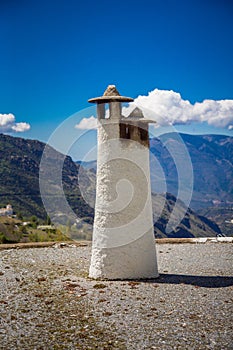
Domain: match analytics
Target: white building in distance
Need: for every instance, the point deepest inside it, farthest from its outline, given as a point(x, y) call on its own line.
point(8, 211)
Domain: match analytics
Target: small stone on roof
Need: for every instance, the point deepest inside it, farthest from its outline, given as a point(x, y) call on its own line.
point(136, 113)
point(111, 91)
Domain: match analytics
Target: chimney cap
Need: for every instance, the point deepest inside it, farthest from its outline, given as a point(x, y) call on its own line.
point(137, 116)
point(111, 94)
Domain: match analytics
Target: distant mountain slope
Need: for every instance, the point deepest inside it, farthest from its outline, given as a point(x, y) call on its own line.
point(192, 225)
point(19, 186)
point(223, 217)
point(19, 166)
point(19, 177)
point(212, 161)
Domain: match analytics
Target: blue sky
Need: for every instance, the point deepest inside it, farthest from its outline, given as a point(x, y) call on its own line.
point(57, 54)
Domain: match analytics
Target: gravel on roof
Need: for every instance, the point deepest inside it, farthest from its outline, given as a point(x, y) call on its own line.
point(47, 301)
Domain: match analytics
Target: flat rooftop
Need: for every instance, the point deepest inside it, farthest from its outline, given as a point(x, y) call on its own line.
point(47, 300)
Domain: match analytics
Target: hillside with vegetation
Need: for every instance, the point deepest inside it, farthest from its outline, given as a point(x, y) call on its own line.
point(13, 230)
point(19, 177)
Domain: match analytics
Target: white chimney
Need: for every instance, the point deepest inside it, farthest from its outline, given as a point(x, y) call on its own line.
point(123, 236)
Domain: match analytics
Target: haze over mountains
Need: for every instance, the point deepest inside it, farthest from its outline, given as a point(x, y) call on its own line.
point(212, 164)
point(211, 157)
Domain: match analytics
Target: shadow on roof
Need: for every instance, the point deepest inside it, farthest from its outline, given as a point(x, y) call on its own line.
point(199, 281)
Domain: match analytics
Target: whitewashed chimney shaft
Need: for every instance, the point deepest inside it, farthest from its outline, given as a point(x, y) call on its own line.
point(123, 237)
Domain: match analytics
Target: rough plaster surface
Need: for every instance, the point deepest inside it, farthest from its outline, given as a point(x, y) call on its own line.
point(134, 260)
point(123, 227)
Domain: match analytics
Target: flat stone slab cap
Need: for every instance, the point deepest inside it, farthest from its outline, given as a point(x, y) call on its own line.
point(137, 116)
point(137, 120)
point(111, 94)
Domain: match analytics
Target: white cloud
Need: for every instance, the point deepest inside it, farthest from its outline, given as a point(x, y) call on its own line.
point(167, 107)
point(87, 123)
point(6, 119)
point(20, 127)
point(8, 124)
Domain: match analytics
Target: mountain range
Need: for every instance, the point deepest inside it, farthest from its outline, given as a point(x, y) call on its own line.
point(212, 163)
point(19, 185)
point(211, 159)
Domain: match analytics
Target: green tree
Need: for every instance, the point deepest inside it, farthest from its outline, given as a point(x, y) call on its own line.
point(48, 220)
point(23, 230)
point(19, 216)
point(2, 237)
point(34, 221)
point(68, 228)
